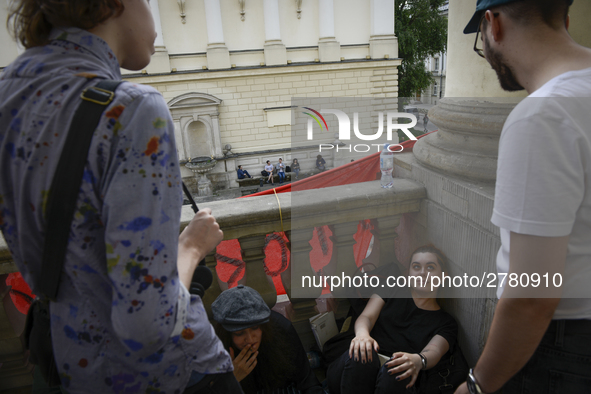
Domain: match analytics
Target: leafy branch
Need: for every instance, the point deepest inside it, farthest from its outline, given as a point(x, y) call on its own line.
point(421, 32)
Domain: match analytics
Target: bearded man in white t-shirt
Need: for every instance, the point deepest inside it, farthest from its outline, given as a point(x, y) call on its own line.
point(540, 338)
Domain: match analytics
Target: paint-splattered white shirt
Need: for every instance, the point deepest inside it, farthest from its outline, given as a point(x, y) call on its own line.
point(123, 322)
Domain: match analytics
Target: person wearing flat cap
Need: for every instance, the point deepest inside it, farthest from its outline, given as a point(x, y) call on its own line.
point(539, 339)
point(266, 351)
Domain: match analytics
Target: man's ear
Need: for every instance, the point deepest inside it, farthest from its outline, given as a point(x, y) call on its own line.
point(567, 22)
point(495, 24)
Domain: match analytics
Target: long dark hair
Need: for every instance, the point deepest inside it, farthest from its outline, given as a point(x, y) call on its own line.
point(275, 363)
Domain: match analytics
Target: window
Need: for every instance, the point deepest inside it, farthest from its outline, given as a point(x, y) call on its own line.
point(435, 89)
point(436, 68)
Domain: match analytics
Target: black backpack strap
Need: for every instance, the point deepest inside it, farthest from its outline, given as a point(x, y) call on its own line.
point(66, 182)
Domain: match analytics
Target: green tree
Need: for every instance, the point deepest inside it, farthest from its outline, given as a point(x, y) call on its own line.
point(421, 32)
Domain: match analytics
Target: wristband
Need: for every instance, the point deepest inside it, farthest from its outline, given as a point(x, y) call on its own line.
point(473, 386)
point(423, 360)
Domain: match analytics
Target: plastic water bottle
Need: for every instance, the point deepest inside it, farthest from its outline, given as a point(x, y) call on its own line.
point(386, 165)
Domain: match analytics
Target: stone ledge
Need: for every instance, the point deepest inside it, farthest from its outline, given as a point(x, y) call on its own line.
point(188, 76)
point(310, 208)
point(260, 215)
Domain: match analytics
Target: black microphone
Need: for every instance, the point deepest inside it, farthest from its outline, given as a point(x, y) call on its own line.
point(202, 277)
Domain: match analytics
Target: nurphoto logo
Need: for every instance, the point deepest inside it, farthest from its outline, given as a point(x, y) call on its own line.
point(345, 129)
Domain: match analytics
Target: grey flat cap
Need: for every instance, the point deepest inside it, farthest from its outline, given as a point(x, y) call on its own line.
point(239, 308)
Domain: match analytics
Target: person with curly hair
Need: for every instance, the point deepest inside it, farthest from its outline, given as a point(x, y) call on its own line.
point(122, 320)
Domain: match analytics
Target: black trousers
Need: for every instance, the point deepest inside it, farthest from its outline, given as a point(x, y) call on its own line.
point(346, 375)
point(222, 383)
point(560, 364)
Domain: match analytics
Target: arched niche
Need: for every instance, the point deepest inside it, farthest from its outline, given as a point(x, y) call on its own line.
point(198, 140)
point(196, 120)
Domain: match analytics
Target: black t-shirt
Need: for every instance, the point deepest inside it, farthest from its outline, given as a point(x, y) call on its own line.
point(401, 325)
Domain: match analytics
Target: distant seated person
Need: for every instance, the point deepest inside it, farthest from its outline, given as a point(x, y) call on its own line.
point(242, 173)
point(320, 163)
point(295, 167)
point(268, 171)
point(281, 170)
point(267, 353)
point(406, 325)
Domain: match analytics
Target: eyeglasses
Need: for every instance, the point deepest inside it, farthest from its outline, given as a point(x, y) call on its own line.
point(480, 52)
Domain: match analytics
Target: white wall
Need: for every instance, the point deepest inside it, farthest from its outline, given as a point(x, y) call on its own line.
point(8, 47)
point(190, 37)
point(299, 32)
point(247, 34)
point(352, 21)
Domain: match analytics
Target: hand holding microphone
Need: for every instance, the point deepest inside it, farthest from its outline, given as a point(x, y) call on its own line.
point(200, 237)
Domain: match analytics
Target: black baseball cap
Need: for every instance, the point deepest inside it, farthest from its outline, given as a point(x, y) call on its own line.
point(482, 6)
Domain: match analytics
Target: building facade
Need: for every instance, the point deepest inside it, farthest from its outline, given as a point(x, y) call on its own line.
point(229, 70)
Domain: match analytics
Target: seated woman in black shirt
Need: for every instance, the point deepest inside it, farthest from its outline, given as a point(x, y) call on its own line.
point(267, 353)
point(410, 329)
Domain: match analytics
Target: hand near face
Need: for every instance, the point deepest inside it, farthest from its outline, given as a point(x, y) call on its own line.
point(244, 363)
point(406, 365)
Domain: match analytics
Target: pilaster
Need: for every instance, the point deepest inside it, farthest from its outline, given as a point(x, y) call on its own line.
point(329, 49)
point(382, 41)
point(275, 51)
point(218, 55)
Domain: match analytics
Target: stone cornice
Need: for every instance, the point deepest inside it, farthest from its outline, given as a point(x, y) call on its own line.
point(266, 71)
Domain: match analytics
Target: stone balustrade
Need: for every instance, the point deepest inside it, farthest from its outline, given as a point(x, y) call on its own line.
point(251, 219)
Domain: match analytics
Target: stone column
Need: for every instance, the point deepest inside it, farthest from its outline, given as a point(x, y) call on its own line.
point(160, 62)
point(471, 117)
point(275, 52)
point(466, 144)
point(382, 40)
point(218, 56)
point(329, 49)
point(216, 137)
